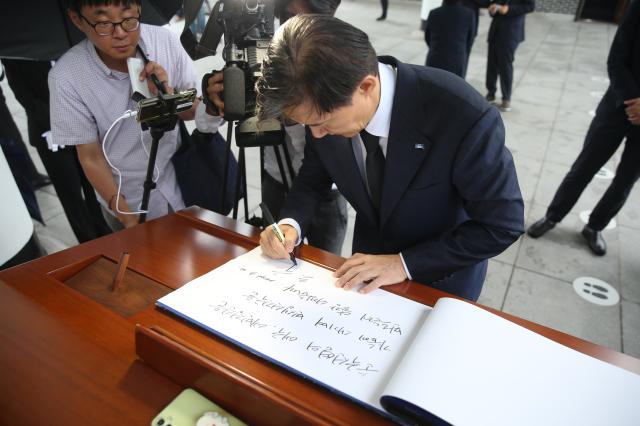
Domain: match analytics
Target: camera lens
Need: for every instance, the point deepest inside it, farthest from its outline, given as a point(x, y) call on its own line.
point(251, 5)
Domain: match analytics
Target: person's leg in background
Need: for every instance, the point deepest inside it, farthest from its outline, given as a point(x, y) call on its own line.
point(328, 229)
point(273, 194)
point(626, 176)
point(385, 6)
point(604, 136)
point(505, 54)
point(492, 72)
point(19, 160)
point(606, 132)
point(28, 81)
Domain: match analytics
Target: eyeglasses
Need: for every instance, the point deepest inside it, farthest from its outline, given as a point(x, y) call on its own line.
point(106, 28)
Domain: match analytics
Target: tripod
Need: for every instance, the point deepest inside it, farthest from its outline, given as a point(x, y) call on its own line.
point(158, 127)
point(247, 137)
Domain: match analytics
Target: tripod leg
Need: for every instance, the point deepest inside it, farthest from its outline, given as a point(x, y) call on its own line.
point(281, 167)
point(287, 159)
point(244, 188)
point(241, 173)
point(226, 165)
point(149, 184)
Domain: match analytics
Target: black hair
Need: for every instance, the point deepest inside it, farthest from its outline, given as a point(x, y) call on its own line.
point(76, 5)
point(316, 60)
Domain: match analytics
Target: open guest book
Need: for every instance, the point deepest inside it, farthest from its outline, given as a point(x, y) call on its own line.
point(454, 363)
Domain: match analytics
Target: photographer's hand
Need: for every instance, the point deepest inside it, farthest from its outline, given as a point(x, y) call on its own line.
point(160, 73)
point(215, 87)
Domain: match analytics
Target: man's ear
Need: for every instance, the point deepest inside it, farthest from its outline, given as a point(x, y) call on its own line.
point(368, 85)
point(75, 18)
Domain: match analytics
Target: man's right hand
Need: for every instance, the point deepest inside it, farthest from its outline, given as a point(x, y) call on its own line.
point(271, 245)
point(215, 87)
point(128, 220)
point(633, 110)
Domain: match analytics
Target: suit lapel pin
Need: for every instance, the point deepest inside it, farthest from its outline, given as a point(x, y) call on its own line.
point(419, 146)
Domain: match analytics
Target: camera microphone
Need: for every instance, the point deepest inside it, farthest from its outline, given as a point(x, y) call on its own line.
point(234, 93)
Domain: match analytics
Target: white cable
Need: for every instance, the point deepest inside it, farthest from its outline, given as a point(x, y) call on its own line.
point(127, 114)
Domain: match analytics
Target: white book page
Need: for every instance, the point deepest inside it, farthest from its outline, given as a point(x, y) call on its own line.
point(471, 367)
point(298, 318)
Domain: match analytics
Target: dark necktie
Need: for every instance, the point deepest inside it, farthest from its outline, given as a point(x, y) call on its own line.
point(374, 166)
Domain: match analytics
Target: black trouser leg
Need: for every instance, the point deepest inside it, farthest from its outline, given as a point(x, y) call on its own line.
point(492, 70)
point(605, 134)
point(627, 174)
point(385, 6)
point(505, 54)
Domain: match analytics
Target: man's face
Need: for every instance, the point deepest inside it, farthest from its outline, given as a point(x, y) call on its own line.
point(345, 121)
point(118, 46)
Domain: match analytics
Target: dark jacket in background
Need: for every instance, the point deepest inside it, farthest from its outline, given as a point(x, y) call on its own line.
point(474, 6)
point(509, 28)
point(624, 57)
point(449, 33)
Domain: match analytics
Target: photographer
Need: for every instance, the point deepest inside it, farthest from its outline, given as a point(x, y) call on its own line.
point(90, 92)
point(329, 227)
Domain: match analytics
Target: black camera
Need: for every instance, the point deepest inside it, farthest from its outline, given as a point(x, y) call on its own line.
point(247, 27)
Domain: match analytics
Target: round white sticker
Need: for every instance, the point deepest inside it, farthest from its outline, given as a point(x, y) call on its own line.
point(596, 291)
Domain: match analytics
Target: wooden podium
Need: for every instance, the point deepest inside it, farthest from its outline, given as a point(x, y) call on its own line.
point(73, 350)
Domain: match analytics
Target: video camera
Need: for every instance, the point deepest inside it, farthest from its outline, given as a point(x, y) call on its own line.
point(247, 27)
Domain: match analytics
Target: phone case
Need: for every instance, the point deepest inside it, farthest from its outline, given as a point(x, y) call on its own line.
point(190, 408)
point(135, 67)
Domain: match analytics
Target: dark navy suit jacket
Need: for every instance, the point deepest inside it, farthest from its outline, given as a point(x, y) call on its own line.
point(508, 29)
point(475, 6)
point(624, 57)
point(449, 33)
point(450, 198)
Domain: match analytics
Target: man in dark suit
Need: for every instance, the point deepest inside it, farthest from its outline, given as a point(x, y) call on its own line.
point(617, 117)
point(505, 34)
point(449, 33)
point(416, 151)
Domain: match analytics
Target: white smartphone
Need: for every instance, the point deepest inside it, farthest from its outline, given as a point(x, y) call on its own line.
point(135, 66)
point(192, 409)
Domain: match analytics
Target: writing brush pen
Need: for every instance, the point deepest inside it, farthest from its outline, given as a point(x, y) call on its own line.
point(276, 229)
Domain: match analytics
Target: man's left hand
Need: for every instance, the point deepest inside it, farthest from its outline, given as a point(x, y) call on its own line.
point(377, 270)
point(503, 9)
point(155, 68)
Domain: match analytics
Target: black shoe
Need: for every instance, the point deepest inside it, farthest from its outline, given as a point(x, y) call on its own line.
point(491, 97)
point(540, 228)
point(595, 240)
point(381, 18)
